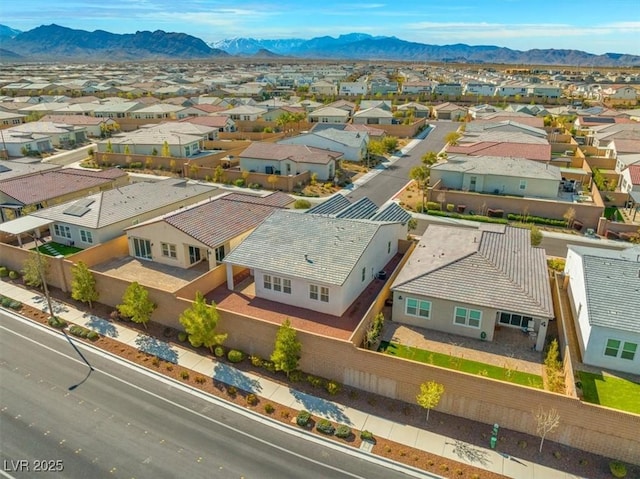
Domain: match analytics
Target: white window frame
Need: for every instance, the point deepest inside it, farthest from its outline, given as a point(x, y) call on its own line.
point(277, 283)
point(63, 231)
point(286, 286)
point(86, 236)
point(624, 350)
point(324, 294)
point(420, 306)
point(169, 250)
point(523, 185)
point(467, 317)
point(313, 292)
point(220, 254)
point(266, 281)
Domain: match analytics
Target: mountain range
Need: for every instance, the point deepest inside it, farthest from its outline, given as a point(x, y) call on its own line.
point(53, 42)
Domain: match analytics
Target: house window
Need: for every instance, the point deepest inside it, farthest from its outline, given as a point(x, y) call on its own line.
point(622, 349)
point(313, 291)
point(467, 317)
point(472, 183)
point(419, 308)
point(86, 236)
point(266, 281)
point(364, 273)
point(220, 254)
point(324, 294)
point(517, 320)
point(389, 247)
point(277, 284)
point(523, 185)
point(62, 231)
point(169, 250)
point(141, 248)
point(286, 286)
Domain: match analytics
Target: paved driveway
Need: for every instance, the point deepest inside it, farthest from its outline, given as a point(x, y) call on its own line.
point(383, 186)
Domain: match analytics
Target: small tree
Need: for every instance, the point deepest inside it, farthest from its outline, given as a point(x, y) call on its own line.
point(127, 150)
point(374, 330)
point(34, 268)
point(429, 395)
point(136, 304)
point(546, 422)
point(83, 284)
point(166, 149)
point(412, 225)
point(569, 216)
point(200, 321)
point(273, 181)
point(109, 147)
point(286, 352)
point(536, 236)
point(218, 174)
point(452, 138)
point(420, 174)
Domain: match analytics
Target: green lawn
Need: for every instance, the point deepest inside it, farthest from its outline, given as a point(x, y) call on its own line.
point(610, 391)
point(60, 248)
point(461, 364)
point(612, 213)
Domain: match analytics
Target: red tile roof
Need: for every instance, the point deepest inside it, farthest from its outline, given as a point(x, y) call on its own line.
point(296, 153)
point(49, 185)
point(74, 119)
point(634, 171)
point(511, 150)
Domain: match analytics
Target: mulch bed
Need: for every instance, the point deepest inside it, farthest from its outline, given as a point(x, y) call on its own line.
point(513, 443)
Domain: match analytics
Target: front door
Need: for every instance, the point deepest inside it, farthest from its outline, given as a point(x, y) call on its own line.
point(194, 255)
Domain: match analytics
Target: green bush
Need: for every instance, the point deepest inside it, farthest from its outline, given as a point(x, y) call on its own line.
point(252, 399)
point(303, 418)
point(93, 336)
point(219, 351)
point(537, 220)
point(4, 272)
point(269, 366)
point(268, 408)
point(232, 390)
point(296, 376)
point(182, 336)
point(302, 204)
point(14, 274)
point(367, 436)
point(256, 361)
point(618, 469)
point(15, 305)
point(5, 302)
point(136, 165)
point(479, 218)
point(184, 374)
point(432, 205)
point(239, 182)
point(556, 264)
point(325, 427)
point(255, 186)
point(332, 387)
point(343, 431)
point(56, 322)
point(80, 331)
point(235, 356)
point(315, 381)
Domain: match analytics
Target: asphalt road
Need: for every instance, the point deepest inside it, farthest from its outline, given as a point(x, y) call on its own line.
point(384, 185)
point(118, 422)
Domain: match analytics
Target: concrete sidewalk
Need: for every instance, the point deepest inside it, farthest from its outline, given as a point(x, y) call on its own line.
point(401, 433)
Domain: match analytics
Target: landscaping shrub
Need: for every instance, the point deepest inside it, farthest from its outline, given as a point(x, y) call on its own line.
point(325, 427)
point(332, 387)
point(5, 302)
point(232, 390)
point(479, 218)
point(4, 272)
point(219, 351)
point(303, 418)
point(315, 381)
point(136, 165)
point(255, 186)
point(256, 361)
point(450, 207)
point(556, 264)
point(56, 322)
point(15, 305)
point(537, 220)
point(235, 356)
point(343, 431)
point(184, 375)
point(182, 336)
point(268, 408)
point(239, 182)
point(14, 274)
point(200, 379)
point(432, 205)
point(269, 365)
point(93, 336)
point(302, 204)
point(367, 436)
point(618, 469)
point(296, 376)
point(252, 399)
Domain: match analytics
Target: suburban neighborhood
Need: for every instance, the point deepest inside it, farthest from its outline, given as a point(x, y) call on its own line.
point(504, 273)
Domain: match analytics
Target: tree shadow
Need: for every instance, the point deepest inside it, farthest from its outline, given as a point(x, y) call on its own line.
point(101, 325)
point(160, 349)
point(321, 407)
point(233, 377)
point(471, 454)
point(58, 308)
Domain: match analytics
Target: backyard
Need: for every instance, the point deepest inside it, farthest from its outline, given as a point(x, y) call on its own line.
point(610, 391)
point(57, 249)
point(461, 364)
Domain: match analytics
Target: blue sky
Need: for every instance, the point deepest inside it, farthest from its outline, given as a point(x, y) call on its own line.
point(593, 26)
